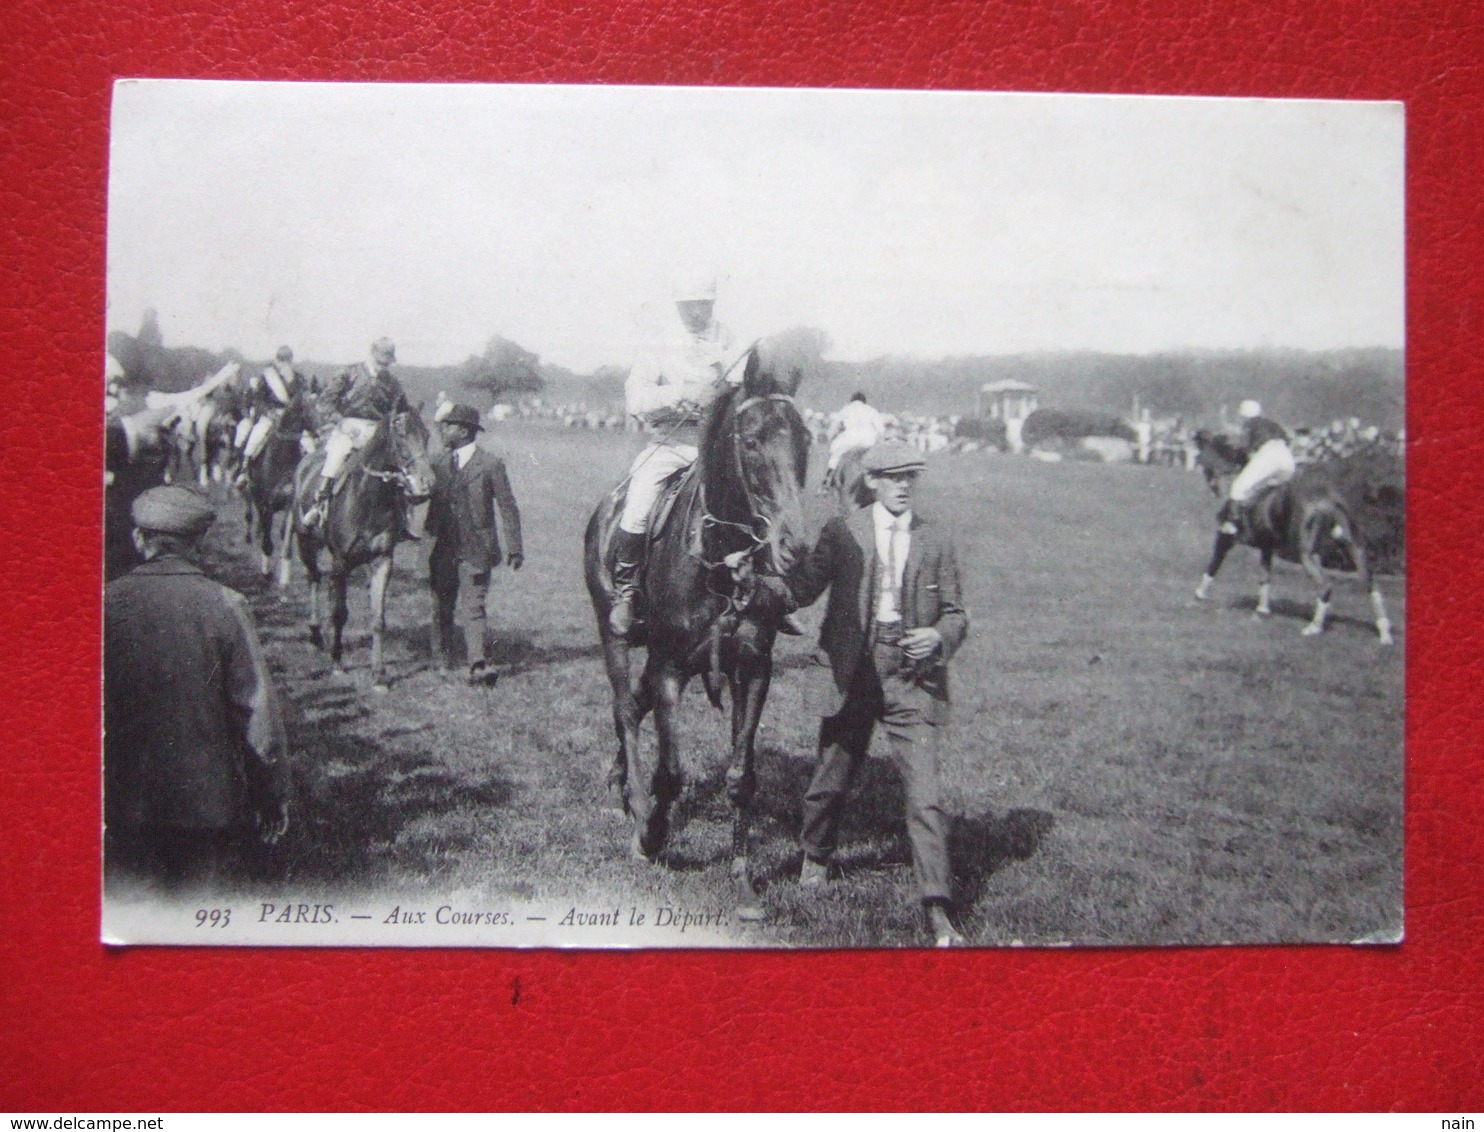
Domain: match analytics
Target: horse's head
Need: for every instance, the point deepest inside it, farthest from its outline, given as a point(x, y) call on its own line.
point(409, 444)
point(756, 454)
point(1219, 458)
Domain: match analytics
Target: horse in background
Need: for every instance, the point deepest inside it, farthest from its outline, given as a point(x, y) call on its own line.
point(848, 482)
point(269, 492)
point(1303, 521)
point(363, 523)
point(740, 504)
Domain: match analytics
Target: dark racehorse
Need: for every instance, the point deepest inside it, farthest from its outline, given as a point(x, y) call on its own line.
point(740, 504)
point(848, 482)
point(270, 487)
point(363, 526)
point(1303, 521)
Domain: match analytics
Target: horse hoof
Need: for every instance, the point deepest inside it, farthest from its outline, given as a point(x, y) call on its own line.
point(636, 850)
point(338, 673)
point(1311, 631)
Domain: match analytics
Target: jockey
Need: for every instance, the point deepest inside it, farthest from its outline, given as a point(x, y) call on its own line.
point(269, 395)
point(1269, 463)
point(671, 386)
point(357, 399)
point(856, 426)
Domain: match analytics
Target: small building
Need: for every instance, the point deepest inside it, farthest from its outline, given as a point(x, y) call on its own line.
point(1009, 401)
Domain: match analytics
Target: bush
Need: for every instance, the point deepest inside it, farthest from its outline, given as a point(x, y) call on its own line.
point(1072, 424)
point(987, 430)
point(1373, 482)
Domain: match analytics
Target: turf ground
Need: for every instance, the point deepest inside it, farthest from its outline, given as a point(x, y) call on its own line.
point(1124, 767)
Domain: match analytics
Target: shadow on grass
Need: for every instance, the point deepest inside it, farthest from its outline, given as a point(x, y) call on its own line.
point(1287, 609)
point(979, 846)
point(362, 812)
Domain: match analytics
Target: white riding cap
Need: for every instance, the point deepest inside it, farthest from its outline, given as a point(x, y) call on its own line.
point(695, 286)
point(1249, 409)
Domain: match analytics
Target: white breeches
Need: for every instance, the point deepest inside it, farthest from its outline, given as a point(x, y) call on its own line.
point(846, 442)
point(650, 469)
point(350, 433)
point(1270, 465)
point(242, 432)
point(262, 429)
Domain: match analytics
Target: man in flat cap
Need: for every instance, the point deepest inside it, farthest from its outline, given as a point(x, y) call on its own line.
point(469, 485)
point(357, 400)
point(194, 750)
point(894, 620)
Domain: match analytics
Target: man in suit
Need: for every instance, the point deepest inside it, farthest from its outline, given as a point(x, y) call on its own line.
point(194, 747)
point(469, 484)
point(895, 618)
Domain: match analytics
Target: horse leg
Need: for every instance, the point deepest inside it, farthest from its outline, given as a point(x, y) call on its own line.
point(1219, 550)
point(381, 572)
point(286, 548)
point(339, 615)
point(1309, 559)
point(1265, 587)
point(1368, 579)
point(658, 789)
point(629, 710)
point(749, 692)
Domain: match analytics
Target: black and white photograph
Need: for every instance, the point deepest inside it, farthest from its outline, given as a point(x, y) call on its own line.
point(642, 517)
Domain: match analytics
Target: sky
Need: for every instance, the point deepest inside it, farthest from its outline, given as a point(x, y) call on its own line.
point(322, 216)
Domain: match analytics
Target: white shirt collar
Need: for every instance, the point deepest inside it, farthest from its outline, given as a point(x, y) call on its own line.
point(885, 520)
point(463, 455)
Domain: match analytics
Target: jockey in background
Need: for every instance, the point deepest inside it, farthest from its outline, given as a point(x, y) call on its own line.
point(673, 382)
point(357, 400)
point(1269, 463)
point(856, 426)
point(269, 395)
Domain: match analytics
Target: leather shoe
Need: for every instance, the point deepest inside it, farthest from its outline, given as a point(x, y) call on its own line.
point(814, 874)
point(942, 928)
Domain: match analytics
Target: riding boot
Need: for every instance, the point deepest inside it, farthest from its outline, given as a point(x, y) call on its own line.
point(1229, 518)
point(319, 506)
point(628, 554)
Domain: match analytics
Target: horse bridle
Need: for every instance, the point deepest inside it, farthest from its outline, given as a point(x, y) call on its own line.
point(399, 474)
point(755, 518)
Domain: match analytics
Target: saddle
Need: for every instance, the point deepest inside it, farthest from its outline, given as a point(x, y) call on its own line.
point(1265, 518)
point(672, 489)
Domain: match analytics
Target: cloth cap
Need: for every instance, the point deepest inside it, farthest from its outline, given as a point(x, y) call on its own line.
point(284, 354)
point(893, 456)
point(385, 346)
point(173, 510)
point(699, 286)
point(463, 415)
point(1249, 409)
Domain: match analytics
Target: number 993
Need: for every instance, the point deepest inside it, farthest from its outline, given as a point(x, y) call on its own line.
point(213, 917)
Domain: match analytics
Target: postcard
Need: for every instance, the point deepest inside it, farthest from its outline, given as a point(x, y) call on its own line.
point(623, 517)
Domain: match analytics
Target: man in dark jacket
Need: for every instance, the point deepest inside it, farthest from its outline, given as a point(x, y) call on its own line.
point(469, 484)
point(894, 620)
point(194, 749)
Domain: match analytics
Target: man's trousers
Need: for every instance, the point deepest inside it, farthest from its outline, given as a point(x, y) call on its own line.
point(882, 692)
point(458, 587)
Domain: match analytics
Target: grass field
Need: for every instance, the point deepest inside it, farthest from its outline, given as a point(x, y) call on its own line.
point(1123, 767)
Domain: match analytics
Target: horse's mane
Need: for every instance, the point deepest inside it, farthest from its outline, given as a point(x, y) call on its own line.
point(1223, 449)
point(764, 375)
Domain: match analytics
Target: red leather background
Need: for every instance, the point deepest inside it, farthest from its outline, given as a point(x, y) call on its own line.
point(82, 1028)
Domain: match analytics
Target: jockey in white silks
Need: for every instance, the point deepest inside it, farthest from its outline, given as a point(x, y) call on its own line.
point(672, 384)
point(357, 400)
point(269, 395)
point(1270, 463)
point(856, 426)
